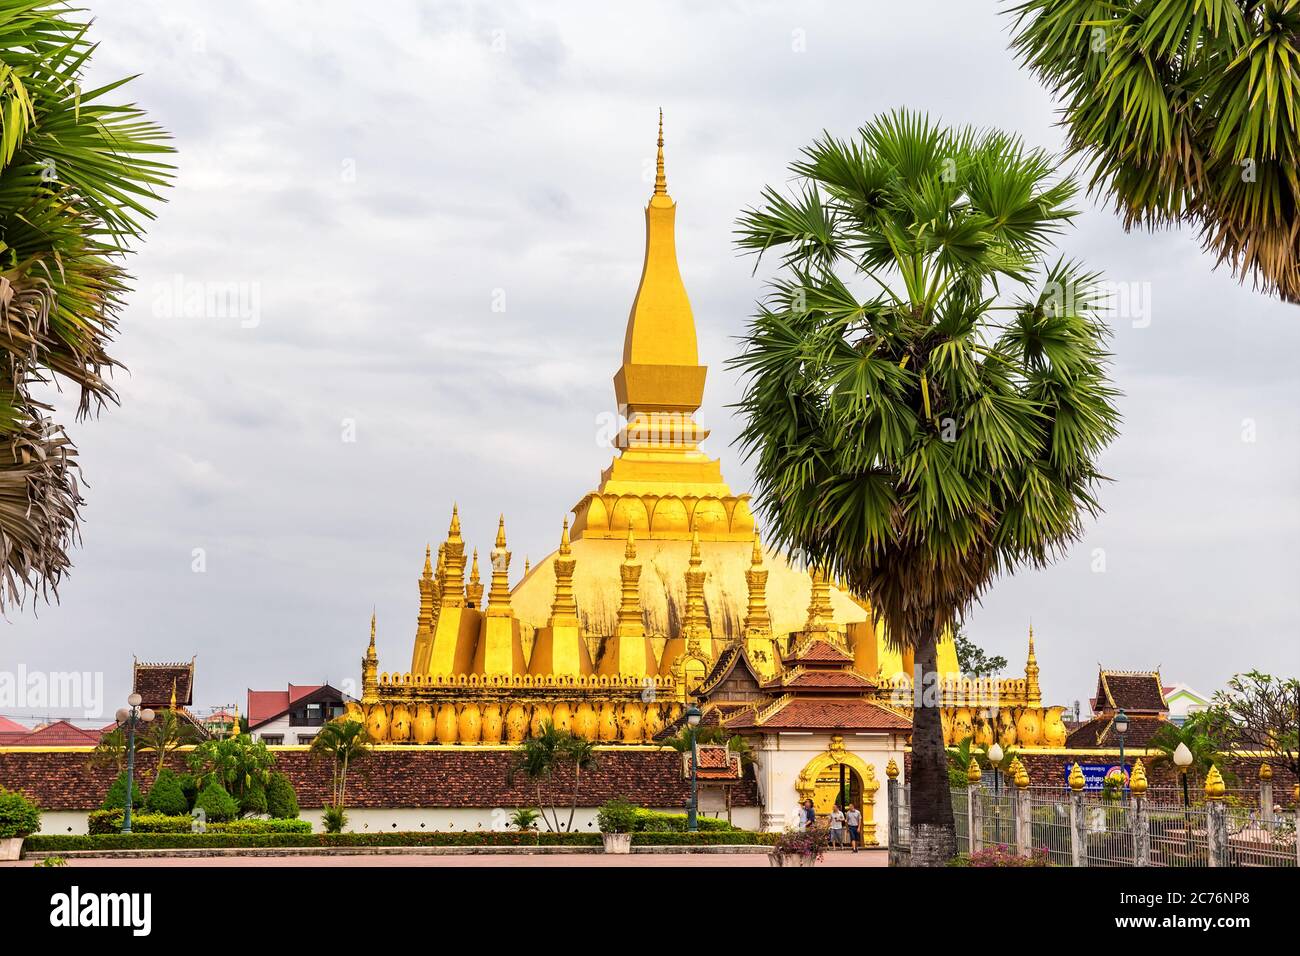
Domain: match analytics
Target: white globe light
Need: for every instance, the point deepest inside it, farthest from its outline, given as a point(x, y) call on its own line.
point(995, 753)
point(134, 700)
point(122, 715)
point(146, 715)
point(1183, 756)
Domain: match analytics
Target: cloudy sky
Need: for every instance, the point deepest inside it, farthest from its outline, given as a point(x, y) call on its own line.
point(371, 186)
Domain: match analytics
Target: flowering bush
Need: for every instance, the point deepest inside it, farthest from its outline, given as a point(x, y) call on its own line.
point(810, 842)
point(1112, 787)
point(1003, 855)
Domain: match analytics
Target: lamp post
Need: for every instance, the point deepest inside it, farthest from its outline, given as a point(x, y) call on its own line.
point(995, 760)
point(692, 815)
point(1121, 728)
point(132, 715)
point(1183, 761)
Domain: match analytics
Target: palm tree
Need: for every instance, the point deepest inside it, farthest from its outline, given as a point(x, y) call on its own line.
point(1204, 750)
point(1185, 111)
point(551, 750)
point(78, 177)
point(343, 743)
point(939, 428)
point(164, 734)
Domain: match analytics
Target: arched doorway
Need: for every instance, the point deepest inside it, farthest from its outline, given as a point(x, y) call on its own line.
point(820, 782)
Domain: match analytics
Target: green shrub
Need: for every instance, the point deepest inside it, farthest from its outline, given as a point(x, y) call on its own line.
point(217, 805)
point(63, 843)
point(335, 819)
point(262, 826)
point(252, 802)
point(110, 821)
point(281, 799)
point(166, 795)
point(116, 796)
point(190, 787)
point(675, 822)
point(19, 816)
point(617, 816)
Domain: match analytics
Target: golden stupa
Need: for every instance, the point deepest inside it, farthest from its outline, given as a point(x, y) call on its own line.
point(660, 569)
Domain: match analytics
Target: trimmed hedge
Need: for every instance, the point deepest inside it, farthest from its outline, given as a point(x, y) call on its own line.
point(653, 820)
point(19, 816)
point(109, 823)
point(61, 843)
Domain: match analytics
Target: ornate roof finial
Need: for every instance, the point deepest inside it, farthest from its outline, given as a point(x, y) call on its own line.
point(501, 532)
point(1214, 786)
point(564, 608)
point(499, 594)
point(661, 181)
point(370, 651)
point(891, 769)
point(565, 546)
point(173, 706)
point(1137, 779)
point(629, 552)
point(474, 590)
point(1076, 779)
point(428, 562)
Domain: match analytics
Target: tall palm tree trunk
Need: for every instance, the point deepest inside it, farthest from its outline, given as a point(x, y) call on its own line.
point(934, 837)
point(573, 808)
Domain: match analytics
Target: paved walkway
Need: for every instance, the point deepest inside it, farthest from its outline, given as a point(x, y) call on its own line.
point(838, 859)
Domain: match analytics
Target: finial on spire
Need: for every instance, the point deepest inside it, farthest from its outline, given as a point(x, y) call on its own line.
point(661, 181)
point(501, 532)
point(173, 706)
point(695, 547)
point(372, 627)
point(453, 532)
point(756, 558)
point(629, 552)
point(565, 546)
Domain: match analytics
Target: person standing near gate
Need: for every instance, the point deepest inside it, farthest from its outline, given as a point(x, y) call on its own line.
point(853, 817)
point(837, 826)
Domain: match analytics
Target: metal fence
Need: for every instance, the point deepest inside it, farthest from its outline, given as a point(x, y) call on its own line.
point(1087, 830)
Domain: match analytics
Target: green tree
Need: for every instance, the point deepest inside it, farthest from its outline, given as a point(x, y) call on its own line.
point(942, 427)
point(166, 795)
point(1194, 735)
point(544, 754)
point(343, 744)
point(115, 798)
point(281, 798)
point(79, 175)
point(240, 764)
point(1185, 111)
point(217, 804)
point(163, 735)
point(972, 659)
point(1258, 712)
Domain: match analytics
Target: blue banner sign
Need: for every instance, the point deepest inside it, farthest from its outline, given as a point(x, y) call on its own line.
point(1094, 773)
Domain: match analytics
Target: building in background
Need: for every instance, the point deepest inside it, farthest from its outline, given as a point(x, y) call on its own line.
point(294, 715)
point(1183, 702)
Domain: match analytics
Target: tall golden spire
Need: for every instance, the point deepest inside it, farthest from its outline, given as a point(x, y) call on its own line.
point(564, 609)
point(427, 600)
point(1033, 693)
point(370, 664)
point(630, 623)
point(695, 617)
point(453, 550)
point(370, 651)
point(758, 623)
point(821, 617)
point(499, 594)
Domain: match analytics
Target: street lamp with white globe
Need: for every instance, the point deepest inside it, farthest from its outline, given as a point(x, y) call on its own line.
point(131, 716)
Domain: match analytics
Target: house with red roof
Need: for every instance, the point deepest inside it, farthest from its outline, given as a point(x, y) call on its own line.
point(294, 715)
point(58, 733)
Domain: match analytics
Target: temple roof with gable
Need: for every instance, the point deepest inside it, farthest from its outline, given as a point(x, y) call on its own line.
point(155, 682)
point(1134, 692)
point(810, 713)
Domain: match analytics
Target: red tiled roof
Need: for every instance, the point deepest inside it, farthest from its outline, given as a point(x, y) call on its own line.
point(813, 713)
point(298, 691)
point(154, 683)
point(819, 652)
point(266, 703)
point(61, 733)
point(1099, 731)
point(716, 763)
point(416, 777)
point(820, 680)
point(1132, 691)
point(8, 726)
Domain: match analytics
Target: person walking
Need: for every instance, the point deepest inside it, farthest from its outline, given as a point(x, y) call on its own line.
point(853, 819)
point(837, 827)
point(809, 815)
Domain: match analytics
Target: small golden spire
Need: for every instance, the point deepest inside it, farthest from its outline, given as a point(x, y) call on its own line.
point(661, 181)
point(528, 565)
point(234, 727)
point(973, 772)
point(566, 547)
point(501, 532)
point(173, 705)
point(629, 553)
point(1021, 778)
point(891, 769)
point(499, 594)
point(428, 563)
point(1214, 786)
point(474, 590)
point(1137, 779)
point(1077, 783)
point(372, 629)
point(630, 621)
point(564, 608)
point(453, 532)
point(695, 549)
